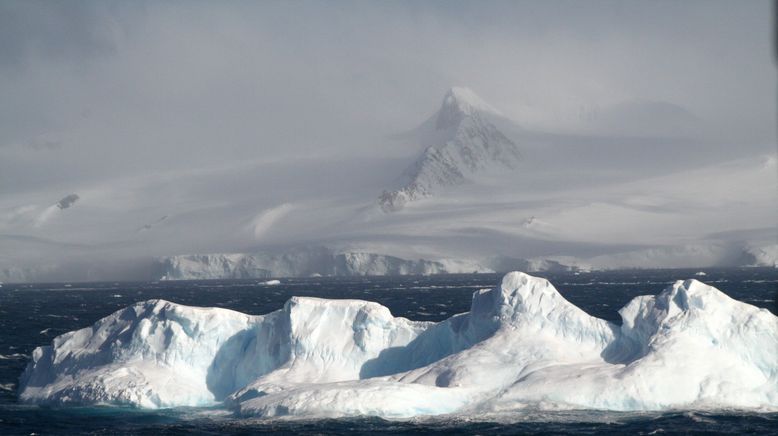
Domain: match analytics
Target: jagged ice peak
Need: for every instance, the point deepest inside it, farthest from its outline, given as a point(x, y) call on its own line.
point(460, 102)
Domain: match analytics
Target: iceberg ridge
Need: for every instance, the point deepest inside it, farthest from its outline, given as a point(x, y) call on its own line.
point(521, 345)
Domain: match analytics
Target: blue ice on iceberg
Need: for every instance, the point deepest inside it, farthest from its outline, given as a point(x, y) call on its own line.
point(521, 345)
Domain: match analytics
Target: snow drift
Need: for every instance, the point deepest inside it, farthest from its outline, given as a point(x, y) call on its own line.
point(521, 345)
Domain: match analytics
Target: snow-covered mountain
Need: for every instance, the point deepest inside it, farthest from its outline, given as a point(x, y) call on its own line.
point(459, 141)
point(567, 201)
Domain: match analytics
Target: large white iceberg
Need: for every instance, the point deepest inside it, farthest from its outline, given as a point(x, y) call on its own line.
point(521, 345)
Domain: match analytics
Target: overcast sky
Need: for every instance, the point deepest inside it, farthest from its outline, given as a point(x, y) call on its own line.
point(89, 89)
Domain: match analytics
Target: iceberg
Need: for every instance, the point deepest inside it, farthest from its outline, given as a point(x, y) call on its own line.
point(522, 345)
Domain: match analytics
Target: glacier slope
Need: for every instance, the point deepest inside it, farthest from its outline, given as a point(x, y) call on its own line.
point(521, 345)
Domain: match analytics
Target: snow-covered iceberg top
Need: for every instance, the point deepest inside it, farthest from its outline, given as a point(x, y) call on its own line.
point(521, 345)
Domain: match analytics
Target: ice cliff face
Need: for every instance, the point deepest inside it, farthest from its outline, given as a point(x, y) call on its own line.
point(522, 344)
point(461, 142)
point(302, 263)
point(211, 266)
point(160, 354)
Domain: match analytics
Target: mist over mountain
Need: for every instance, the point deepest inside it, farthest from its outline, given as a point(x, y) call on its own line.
point(411, 137)
point(473, 200)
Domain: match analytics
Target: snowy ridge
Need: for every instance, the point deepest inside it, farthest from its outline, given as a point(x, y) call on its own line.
point(522, 344)
point(464, 143)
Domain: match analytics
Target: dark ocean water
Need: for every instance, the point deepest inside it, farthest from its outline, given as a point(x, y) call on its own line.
point(32, 315)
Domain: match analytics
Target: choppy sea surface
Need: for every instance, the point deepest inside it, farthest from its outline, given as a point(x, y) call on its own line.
point(33, 314)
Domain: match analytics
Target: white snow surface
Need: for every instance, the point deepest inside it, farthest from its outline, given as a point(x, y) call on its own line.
point(521, 345)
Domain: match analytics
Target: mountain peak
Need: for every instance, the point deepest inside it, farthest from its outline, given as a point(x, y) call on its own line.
point(460, 102)
point(463, 143)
